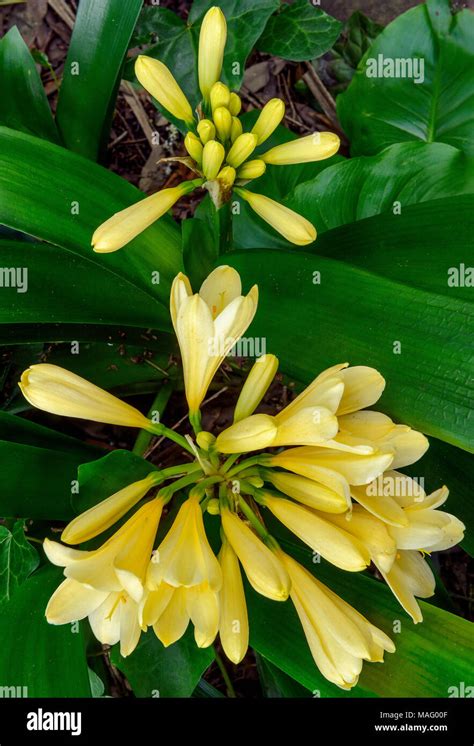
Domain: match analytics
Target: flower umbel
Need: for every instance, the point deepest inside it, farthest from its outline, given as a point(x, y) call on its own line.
point(215, 142)
point(329, 476)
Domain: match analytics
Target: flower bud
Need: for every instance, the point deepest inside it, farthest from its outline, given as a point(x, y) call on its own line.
point(295, 228)
point(223, 122)
point(159, 81)
point(206, 130)
point(256, 386)
point(241, 149)
point(269, 119)
point(220, 96)
point(236, 129)
point(212, 157)
point(235, 104)
point(194, 147)
point(252, 169)
point(227, 176)
point(315, 147)
point(212, 39)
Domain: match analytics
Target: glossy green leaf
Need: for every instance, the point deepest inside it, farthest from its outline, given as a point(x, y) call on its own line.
point(66, 202)
point(422, 665)
point(379, 111)
point(200, 250)
point(18, 559)
point(300, 31)
point(99, 43)
point(64, 286)
point(331, 311)
point(156, 671)
point(38, 468)
point(275, 683)
point(23, 103)
point(102, 477)
point(401, 175)
point(39, 659)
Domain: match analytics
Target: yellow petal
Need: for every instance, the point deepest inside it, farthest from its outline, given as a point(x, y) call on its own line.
point(331, 542)
point(174, 621)
point(203, 609)
point(295, 228)
point(264, 570)
point(428, 529)
point(103, 515)
point(72, 601)
point(157, 79)
point(307, 426)
point(105, 620)
point(220, 288)
point(411, 576)
point(236, 129)
point(363, 386)
point(355, 468)
point(304, 465)
point(154, 603)
point(235, 104)
point(194, 147)
point(59, 391)
point(308, 492)
point(223, 123)
point(130, 630)
point(212, 39)
point(250, 434)
point(269, 119)
point(226, 176)
point(371, 532)
point(373, 498)
point(234, 624)
point(324, 391)
point(256, 386)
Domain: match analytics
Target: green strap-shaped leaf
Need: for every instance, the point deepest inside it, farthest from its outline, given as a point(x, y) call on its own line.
point(18, 559)
point(99, 43)
point(299, 32)
point(383, 106)
point(39, 659)
point(330, 312)
point(156, 671)
point(23, 102)
point(38, 468)
point(66, 201)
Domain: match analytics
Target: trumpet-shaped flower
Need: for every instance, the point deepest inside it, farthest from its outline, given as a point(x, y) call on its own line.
point(295, 228)
point(315, 147)
point(184, 557)
point(212, 39)
point(118, 565)
point(307, 491)
point(112, 616)
point(126, 224)
point(234, 623)
point(340, 638)
point(59, 391)
point(208, 324)
point(263, 568)
point(159, 81)
point(212, 157)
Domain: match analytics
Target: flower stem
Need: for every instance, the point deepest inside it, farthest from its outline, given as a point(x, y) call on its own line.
point(225, 675)
point(159, 403)
point(261, 460)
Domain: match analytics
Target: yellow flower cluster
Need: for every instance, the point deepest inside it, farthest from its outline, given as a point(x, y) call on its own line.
point(331, 477)
point(220, 153)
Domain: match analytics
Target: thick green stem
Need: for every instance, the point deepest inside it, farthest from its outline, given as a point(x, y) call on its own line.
point(159, 404)
point(222, 220)
point(166, 432)
point(260, 460)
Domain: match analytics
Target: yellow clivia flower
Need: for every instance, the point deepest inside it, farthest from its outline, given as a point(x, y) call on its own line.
point(252, 169)
point(206, 130)
point(212, 40)
point(294, 227)
point(212, 157)
point(157, 79)
point(194, 147)
point(242, 147)
point(315, 147)
point(208, 324)
point(223, 122)
point(339, 638)
point(126, 224)
point(235, 104)
point(219, 97)
point(59, 391)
